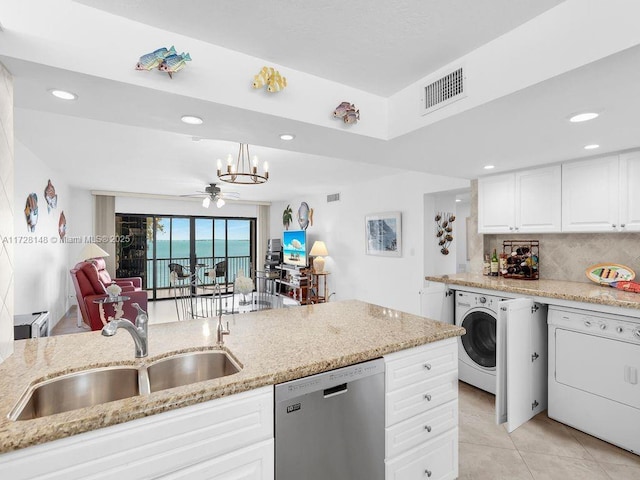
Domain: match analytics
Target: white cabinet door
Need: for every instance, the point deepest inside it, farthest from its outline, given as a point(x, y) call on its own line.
point(521, 362)
point(630, 192)
point(538, 200)
point(496, 206)
point(590, 195)
point(436, 302)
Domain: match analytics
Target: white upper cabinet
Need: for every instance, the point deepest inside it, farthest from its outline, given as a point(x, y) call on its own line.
point(590, 195)
point(630, 192)
point(496, 203)
point(520, 202)
point(601, 195)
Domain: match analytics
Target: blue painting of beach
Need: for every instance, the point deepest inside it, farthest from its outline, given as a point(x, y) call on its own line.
point(294, 248)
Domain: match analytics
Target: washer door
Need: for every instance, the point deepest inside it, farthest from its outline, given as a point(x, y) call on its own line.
point(480, 340)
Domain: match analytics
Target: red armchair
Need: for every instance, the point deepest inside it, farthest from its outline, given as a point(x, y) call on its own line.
point(90, 280)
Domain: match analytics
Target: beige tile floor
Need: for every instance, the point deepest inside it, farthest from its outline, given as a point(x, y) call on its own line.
point(541, 449)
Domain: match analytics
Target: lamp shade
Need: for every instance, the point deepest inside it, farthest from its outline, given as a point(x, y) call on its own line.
point(91, 250)
point(318, 249)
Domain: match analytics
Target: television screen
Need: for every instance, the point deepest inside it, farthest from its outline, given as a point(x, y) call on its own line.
point(294, 248)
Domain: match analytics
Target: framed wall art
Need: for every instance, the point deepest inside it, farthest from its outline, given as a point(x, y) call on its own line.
point(383, 234)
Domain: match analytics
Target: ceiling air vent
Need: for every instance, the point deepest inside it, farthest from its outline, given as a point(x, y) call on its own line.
point(443, 91)
point(335, 197)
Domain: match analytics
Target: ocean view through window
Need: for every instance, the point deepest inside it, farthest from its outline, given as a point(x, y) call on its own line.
point(196, 243)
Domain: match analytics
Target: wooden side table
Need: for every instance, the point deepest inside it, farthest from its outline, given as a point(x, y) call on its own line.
point(317, 294)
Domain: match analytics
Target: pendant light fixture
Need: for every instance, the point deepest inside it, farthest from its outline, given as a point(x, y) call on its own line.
point(244, 170)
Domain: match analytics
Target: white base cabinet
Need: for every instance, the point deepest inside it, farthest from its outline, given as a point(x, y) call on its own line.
point(421, 412)
point(226, 438)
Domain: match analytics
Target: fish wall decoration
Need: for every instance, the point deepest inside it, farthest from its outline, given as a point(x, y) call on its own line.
point(164, 59)
point(62, 225)
point(270, 78)
point(31, 212)
point(50, 196)
point(347, 112)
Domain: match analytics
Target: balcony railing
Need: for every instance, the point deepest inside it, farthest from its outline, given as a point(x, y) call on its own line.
point(163, 273)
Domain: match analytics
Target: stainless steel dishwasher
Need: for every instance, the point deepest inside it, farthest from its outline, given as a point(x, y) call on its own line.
point(331, 425)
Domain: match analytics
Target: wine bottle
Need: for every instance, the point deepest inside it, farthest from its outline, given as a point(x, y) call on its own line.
point(494, 264)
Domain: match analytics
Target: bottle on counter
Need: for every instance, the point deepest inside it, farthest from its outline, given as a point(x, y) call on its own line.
point(486, 266)
point(494, 264)
point(502, 264)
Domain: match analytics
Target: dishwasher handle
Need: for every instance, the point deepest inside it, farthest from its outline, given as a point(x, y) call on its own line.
point(337, 390)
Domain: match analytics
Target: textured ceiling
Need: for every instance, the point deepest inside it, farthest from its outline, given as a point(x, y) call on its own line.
point(377, 46)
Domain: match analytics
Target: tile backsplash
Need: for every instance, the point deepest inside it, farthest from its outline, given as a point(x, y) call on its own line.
point(566, 256)
point(6, 213)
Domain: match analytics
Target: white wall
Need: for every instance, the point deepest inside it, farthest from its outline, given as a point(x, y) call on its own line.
point(389, 281)
point(158, 206)
point(41, 259)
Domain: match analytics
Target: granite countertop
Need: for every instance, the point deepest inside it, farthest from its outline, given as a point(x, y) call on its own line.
point(563, 290)
point(272, 346)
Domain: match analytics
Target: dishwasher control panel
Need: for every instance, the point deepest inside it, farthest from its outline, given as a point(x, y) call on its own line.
point(330, 379)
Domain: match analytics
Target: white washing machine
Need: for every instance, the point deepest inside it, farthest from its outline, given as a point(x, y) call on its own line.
point(478, 314)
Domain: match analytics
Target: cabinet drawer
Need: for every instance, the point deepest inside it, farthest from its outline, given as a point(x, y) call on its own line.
point(414, 399)
point(422, 428)
point(420, 363)
point(250, 463)
point(434, 460)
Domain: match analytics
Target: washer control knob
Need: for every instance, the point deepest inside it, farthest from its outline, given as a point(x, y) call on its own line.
point(619, 329)
point(482, 300)
point(636, 333)
point(587, 323)
point(603, 326)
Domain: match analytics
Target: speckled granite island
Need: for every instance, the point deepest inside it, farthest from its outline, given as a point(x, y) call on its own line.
point(589, 293)
point(271, 346)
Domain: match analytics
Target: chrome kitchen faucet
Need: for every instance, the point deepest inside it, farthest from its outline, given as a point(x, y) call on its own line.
point(138, 330)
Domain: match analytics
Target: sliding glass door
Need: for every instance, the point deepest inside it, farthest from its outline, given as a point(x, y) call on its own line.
point(213, 248)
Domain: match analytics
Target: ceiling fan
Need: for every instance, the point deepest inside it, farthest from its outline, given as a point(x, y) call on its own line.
point(212, 193)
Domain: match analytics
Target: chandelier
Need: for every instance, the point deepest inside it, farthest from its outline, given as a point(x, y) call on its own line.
point(244, 170)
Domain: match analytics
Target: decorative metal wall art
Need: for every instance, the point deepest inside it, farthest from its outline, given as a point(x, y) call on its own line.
point(164, 59)
point(347, 112)
point(270, 78)
point(444, 225)
point(50, 196)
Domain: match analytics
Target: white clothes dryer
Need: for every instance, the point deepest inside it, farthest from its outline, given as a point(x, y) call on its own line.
point(477, 314)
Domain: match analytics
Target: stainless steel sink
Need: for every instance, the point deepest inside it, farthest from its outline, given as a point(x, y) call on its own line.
point(191, 367)
point(77, 390)
point(100, 385)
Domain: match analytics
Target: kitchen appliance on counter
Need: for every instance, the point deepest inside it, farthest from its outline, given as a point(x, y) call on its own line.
point(331, 425)
point(477, 348)
point(31, 325)
point(594, 359)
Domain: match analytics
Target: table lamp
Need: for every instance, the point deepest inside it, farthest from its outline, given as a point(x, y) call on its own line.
point(318, 250)
point(91, 250)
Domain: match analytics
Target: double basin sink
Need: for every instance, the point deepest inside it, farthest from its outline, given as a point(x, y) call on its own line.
point(95, 386)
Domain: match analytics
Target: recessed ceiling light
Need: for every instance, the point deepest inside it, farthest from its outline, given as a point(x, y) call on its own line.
point(489, 167)
point(191, 120)
point(287, 136)
point(63, 94)
point(592, 146)
point(458, 200)
point(583, 117)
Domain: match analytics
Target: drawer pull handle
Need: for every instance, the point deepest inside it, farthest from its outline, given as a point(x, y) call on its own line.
point(427, 473)
point(427, 397)
point(427, 428)
point(427, 366)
